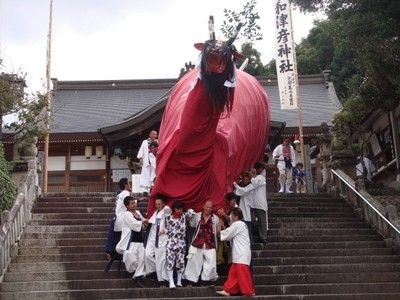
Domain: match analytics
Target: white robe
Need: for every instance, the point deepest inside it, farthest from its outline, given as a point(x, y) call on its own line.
point(148, 172)
point(258, 191)
point(134, 253)
point(278, 151)
point(202, 261)
point(238, 234)
point(155, 257)
point(245, 203)
point(120, 208)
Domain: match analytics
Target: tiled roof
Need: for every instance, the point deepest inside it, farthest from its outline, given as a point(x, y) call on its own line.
point(86, 106)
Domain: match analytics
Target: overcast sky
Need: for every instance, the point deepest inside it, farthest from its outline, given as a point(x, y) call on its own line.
point(119, 39)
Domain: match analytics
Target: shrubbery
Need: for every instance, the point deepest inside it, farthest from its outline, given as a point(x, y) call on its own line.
point(8, 190)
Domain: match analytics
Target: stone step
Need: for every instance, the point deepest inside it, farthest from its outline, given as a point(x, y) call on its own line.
point(77, 204)
point(304, 215)
point(32, 228)
point(64, 242)
point(320, 231)
point(327, 268)
point(65, 275)
point(61, 257)
point(273, 234)
point(315, 278)
point(316, 219)
point(73, 216)
point(318, 225)
point(59, 266)
point(51, 222)
point(331, 288)
point(299, 291)
point(106, 199)
point(51, 204)
point(113, 293)
point(65, 235)
point(98, 255)
point(314, 209)
point(73, 210)
point(78, 225)
point(108, 207)
point(282, 215)
point(263, 261)
point(29, 250)
point(323, 238)
point(314, 252)
point(283, 204)
point(359, 296)
point(318, 245)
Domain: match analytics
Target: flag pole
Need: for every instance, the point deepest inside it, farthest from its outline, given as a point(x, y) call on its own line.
point(48, 97)
point(299, 110)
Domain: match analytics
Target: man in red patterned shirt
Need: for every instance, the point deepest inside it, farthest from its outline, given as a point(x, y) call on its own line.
point(202, 252)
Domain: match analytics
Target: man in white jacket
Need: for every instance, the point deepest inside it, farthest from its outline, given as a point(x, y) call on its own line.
point(240, 279)
point(131, 243)
point(202, 256)
point(258, 202)
point(157, 240)
point(286, 157)
point(148, 161)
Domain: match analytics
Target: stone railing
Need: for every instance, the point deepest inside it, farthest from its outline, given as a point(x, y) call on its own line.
point(16, 219)
point(383, 219)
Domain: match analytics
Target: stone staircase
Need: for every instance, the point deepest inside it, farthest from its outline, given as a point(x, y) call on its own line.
point(317, 249)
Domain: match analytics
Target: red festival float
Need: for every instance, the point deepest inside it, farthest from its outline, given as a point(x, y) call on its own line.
point(215, 125)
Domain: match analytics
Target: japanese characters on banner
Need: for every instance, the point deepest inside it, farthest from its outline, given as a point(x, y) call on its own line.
point(285, 56)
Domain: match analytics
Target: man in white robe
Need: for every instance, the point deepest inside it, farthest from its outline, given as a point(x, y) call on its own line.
point(148, 162)
point(202, 256)
point(245, 202)
point(285, 156)
point(131, 243)
point(259, 206)
point(157, 241)
point(240, 279)
point(120, 208)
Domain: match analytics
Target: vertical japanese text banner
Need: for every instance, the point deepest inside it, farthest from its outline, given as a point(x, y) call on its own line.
point(285, 56)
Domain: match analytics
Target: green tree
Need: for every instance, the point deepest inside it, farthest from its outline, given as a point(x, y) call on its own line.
point(27, 108)
point(366, 56)
point(249, 33)
point(8, 190)
point(367, 34)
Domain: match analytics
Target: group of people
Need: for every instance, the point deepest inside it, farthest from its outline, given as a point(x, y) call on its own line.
point(167, 250)
point(177, 243)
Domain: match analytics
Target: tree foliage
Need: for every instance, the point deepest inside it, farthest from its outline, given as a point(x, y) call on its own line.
point(8, 190)
point(27, 108)
point(360, 43)
point(250, 30)
point(248, 34)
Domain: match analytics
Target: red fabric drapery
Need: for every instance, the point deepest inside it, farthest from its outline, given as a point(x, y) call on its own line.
point(200, 152)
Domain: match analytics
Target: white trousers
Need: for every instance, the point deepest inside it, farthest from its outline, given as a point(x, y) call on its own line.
point(201, 261)
point(155, 258)
point(134, 259)
point(285, 179)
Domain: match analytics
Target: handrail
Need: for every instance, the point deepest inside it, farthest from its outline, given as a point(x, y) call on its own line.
point(18, 217)
point(365, 200)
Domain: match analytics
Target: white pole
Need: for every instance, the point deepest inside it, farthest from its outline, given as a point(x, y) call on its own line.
point(299, 110)
point(48, 97)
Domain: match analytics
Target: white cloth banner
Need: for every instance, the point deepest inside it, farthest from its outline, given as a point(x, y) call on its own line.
point(285, 56)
